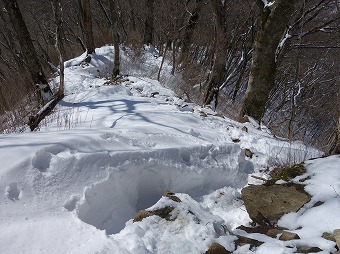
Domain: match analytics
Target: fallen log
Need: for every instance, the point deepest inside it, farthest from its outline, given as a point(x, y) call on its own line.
point(33, 121)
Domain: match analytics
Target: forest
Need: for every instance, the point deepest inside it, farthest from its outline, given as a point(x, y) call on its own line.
point(272, 61)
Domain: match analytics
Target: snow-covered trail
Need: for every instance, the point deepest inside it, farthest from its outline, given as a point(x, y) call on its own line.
point(101, 174)
point(110, 151)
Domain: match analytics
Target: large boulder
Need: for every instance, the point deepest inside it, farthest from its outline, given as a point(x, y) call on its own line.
point(267, 204)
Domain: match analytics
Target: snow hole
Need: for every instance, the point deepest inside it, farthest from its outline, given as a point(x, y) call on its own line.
point(140, 183)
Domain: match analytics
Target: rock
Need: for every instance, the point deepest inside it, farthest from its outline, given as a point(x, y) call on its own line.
point(153, 94)
point(337, 237)
point(248, 153)
point(236, 140)
point(308, 250)
point(261, 229)
point(242, 240)
point(203, 114)
point(319, 203)
point(329, 237)
point(274, 232)
point(250, 230)
point(142, 215)
point(267, 204)
point(245, 129)
point(172, 196)
point(162, 212)
point(287, 236)
point(217, 248)
point(219, 115)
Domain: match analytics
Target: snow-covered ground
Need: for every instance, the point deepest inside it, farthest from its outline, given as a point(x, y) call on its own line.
point(109, 151)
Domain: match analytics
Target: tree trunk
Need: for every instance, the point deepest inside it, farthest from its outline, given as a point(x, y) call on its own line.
point(28, 51)
point(58, 16)
point(116, 64)
point(189, 31)
point(87, 17)
point(335, 144)
point(113, 21)
point(132, 15)
point(272, 26)
point(149, 26)
point(217, 75)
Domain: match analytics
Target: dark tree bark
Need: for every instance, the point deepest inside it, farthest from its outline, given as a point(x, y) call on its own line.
point(189, 31)
point(149, 26)
point(272, 26)
point(132, 15)
point(28, 51)
point(87, 19)
point(217, 75)
point(335, 143)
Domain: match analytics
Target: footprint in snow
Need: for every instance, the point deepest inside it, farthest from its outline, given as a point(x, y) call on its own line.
point(42, 158)
point(12, 191)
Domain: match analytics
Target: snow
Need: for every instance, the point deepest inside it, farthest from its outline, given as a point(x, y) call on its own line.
point(109, 151)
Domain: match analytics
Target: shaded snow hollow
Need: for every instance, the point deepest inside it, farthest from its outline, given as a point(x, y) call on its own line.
point(109, 151)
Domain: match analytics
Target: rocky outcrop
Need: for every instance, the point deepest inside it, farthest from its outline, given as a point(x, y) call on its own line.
point(267, 204)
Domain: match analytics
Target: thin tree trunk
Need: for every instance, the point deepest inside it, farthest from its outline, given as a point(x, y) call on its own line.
point(272, 26)
point(116, 64)
point(28, 51)
point(113, 23)
point(58, 15)
point(164, 55)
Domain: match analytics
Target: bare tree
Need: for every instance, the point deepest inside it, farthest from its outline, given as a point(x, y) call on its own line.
point(272, 26)
point(232, 51)
point(27, 49)
point(47, 109)
point(87, 18)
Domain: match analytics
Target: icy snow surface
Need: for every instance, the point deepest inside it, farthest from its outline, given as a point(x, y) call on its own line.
point(109, 151)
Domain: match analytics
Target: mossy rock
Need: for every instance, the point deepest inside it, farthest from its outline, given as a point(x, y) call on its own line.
point(267, 204)
point(286, 173)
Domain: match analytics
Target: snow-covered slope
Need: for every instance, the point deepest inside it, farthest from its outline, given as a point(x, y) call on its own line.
point(109, 151)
